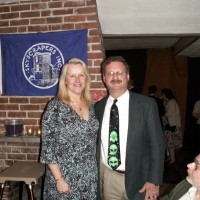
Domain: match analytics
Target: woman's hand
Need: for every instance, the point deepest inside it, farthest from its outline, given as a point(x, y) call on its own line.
point(62, 186)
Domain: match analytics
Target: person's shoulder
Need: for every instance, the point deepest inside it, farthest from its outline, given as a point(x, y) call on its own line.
point(54, 100)
point(178, 191)
point(101, 102)
point(197, 102)
point(141, 98)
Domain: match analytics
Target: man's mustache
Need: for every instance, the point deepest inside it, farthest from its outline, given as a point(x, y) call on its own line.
point(115, 81)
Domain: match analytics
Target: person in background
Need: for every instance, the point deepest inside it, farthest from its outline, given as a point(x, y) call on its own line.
point(131, 85)
point(152, 90)
point(189, 188)
point(136, 175)
point(196, 115)
point(172, 124)
point(69, 132)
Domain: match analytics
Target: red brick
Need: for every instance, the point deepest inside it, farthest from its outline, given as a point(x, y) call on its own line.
point(29, 150)
point(38, 21)
point(68, 26)
point(62, 12)
point(94, 55)
point(74, 3)
point(45, 13)
point(5, 149)
point(38, 6)
point(4, 23)
point(32, 156)
point(98, 85)
point(3, 99)
point(16, 149)
point(30, 122)
point(33, 144)
point(93, 32)
point(16, 156)
point(94, 39)
point(18, 115)
point(71, 19)
point(4, 9)
point(2, 114)
point(39, 100)
point(92, 17)
point(87, 25)
point(22, 29)
point(35, 114)
point(55, 4)
point(30, 14)
point(86, 10)
point(19, 22)
point(98, 62)
point(54, 20)
point(9, 107)
point(19, 100)
point(96, 47)
point(56, 27)
point(9, 15)
point(16, 143)
point(94, 70)
point(29, 107)
point(90, 3)
point(20, 7)
point(8, 29)
point(42, 28)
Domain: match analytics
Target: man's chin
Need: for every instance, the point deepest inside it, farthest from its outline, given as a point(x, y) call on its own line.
point(189, 180)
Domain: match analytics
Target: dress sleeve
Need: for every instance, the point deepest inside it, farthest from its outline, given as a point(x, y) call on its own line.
point(49, 122)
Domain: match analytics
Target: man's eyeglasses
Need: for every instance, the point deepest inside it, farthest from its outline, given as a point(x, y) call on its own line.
point(197, 165)
point(118, 74)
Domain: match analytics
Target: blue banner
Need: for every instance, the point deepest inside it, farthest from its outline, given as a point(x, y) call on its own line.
point(31, 63)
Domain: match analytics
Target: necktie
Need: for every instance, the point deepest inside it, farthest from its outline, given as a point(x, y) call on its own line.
point(113, 144)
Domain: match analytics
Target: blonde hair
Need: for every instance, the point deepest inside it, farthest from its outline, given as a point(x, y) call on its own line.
point(62, 88)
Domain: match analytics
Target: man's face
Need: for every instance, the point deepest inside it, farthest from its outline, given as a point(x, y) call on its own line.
point(194, 172)
point(116, 77)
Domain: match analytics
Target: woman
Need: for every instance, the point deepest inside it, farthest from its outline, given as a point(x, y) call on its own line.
point(172, 124)
point(69, 130)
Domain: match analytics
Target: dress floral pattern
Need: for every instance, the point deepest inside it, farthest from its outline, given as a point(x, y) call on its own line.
point(69, 141)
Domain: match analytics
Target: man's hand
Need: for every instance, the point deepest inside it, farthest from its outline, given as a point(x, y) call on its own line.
point(152, 191)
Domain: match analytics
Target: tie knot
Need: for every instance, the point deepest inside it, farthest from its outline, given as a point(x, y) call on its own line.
point(115, 101)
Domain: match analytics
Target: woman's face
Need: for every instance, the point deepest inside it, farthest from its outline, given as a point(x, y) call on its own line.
point(163, 97)
point(75, 78)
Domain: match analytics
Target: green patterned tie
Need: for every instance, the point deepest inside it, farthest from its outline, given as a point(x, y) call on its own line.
point(113, 144)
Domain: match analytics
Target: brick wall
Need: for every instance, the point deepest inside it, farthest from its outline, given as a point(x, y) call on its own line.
point(47, 16)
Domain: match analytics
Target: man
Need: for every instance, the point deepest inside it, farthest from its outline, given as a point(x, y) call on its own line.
point(188, 189)
point(161, 108)
point(140, 135)
point(196, 114)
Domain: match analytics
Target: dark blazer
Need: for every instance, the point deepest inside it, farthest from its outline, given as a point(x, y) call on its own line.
point(145, 144)
point(178, 191)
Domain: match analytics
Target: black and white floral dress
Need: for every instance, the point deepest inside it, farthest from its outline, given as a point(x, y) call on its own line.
point(69, 141)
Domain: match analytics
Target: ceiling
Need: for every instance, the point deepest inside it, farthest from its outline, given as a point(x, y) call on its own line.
point(141, 24)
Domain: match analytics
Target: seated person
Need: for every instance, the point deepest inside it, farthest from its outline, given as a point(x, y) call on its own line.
point(189, 188)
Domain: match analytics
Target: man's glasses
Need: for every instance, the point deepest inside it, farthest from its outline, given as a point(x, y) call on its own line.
point(118, 74)
point(197, 165)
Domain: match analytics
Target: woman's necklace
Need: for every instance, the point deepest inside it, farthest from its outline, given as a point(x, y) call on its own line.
point(76, 105)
